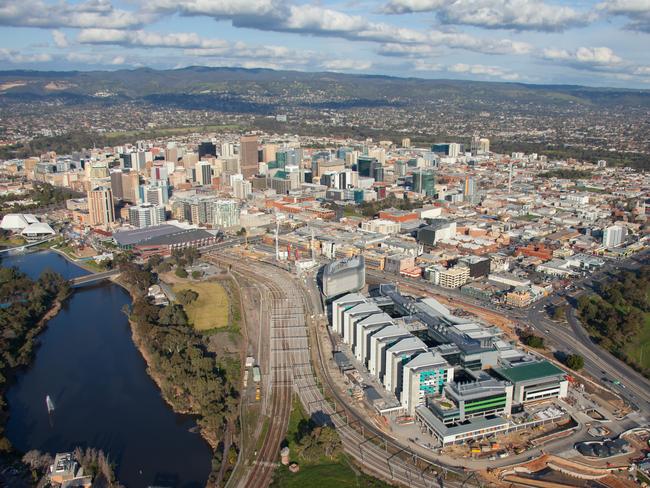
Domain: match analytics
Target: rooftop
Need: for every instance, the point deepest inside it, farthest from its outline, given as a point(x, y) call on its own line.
point(529, 371)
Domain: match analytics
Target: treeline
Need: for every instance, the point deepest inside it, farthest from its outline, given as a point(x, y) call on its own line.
point(189, 375)
point(567, 174)
point(23, 305)
point(615, 315)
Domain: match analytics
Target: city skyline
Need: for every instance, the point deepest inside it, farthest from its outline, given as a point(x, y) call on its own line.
point(588, 43)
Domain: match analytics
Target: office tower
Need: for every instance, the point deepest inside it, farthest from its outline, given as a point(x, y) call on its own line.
point(454, 150)
point(470, 187)
point(227, 150)
point(365, 166)
point(241, 188)
point(116, 184)
point(146, 215)
point(207, 148)
point(400, 168)
point(269, 152)
point(424, 182)
point(100, 206)
point(248, 155)
point(156, 194)
point(484, 146)
point(379, 154)
point(406, 142)
point(159, 172)
point(378, 172)
point(475, 145)
point(130, 186)
point(125, 161)
point(203, 173)
point(171, 153)
point(614, 236)
point(190, 160)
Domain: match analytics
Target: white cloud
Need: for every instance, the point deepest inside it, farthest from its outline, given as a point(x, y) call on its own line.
point(16, 57)
point(85, 14)
point(584, 56)
point(482, 70)
point(496, 14)
point(346, 65)
point(427, 66)
point(637, 11)
point(60, 40)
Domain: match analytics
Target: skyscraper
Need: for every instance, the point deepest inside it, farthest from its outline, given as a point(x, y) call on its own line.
point(100, 206)
point(146, 215)
point(248, 155)
point(203, 173)
point(207, 148)
point(424, 182)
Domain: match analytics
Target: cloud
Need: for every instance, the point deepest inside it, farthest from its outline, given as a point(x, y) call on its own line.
point(60, 40)
point(496, 14)
point(346, 65)
point(140, 38)
point(16, 57)
point(637, 11)
point(314, 20)
point(468, 69)
point(584, 57)
point(85, 14)
point(482, 70)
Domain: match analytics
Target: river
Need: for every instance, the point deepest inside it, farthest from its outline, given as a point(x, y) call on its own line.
point(87, 362)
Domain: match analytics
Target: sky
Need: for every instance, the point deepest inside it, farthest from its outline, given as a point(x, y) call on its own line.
point(595, 43)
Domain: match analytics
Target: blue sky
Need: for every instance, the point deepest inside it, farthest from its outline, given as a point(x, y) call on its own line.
point(600, 43)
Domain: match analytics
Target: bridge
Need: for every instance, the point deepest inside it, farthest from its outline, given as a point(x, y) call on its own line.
point(93, 278)
point(21, 248)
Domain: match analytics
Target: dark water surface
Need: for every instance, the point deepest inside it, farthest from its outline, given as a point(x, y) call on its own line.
point(88, 364)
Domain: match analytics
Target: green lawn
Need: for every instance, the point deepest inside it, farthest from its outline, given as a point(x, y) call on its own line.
point(639, 349)
point(211, 309)
point(325, 473)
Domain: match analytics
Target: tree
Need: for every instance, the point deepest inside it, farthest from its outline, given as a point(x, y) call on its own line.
point(185, 297)
point(196, 274)
point(575, 362)
point(172, 315)
point(531, 340)
point(180, 272)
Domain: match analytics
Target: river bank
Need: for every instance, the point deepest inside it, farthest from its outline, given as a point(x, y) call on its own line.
point(125, 413)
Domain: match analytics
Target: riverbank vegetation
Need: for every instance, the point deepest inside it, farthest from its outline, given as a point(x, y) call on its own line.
point(25, 307)
point(192, 378)
point(41, 195)
point(617, 316)
point(319, 453)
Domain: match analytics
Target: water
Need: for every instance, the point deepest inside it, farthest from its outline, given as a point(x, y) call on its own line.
point(88, 364)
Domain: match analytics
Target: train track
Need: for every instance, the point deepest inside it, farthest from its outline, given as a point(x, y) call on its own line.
point(291, 370)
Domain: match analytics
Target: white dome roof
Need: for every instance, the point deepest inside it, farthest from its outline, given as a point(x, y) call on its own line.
point(14, 222)
point(39, 228)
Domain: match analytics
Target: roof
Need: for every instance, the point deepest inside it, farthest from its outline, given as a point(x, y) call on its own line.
point(529, 371)
point(38, 228)
point(130, 237)
point(176, 238)
point(427, 359)
point(17, 221)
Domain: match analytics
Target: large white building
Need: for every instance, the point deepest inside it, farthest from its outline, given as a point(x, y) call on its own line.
point(225, 213)
point(146, 215)
point(614, 236)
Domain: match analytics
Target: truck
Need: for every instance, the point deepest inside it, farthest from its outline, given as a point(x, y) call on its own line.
point(257, 376)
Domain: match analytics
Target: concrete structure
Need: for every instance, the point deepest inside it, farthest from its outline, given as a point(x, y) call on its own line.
point(146, 215)
point(534, 380)
point(424, 375)
point(100, 206)
point(248, 155)
point(344, 276)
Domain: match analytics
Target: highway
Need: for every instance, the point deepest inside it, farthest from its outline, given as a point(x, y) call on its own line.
point(291, 370)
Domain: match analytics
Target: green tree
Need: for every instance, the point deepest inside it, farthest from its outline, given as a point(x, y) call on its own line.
point(180, 272)
point(575, 362)
point(185, 297)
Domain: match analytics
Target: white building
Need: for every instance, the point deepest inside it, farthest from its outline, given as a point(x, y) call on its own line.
point(146, 215)
point(614, 236)
point(425, 374)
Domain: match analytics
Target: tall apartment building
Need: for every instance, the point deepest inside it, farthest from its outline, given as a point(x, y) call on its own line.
point(100, 206)
point(203, 173)
point(146, 215)
point(614, 236)
point(248, 155)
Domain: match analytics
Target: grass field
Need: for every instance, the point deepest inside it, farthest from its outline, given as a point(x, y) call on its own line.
point(324, 473)
point(639, 349)
point(211, 309)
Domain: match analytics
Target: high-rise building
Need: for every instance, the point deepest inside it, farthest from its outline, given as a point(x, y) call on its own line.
point(116, 184)
point(225, 213)
point(207, 148)
point(227, 150)
point(146, 215)
point(156, 194)
point(248, 155)
point(171, 153)
point(241, 188)
point(424, 182)
point(100, 206)
point(614, 236)
point(365, 166)
point(475, 145)
point(203, 173)
point(130, 185)
point(406, 142)
point(269, 152)
point(484, 146)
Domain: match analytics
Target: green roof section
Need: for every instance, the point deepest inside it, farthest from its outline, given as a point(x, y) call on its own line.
point(530, 371)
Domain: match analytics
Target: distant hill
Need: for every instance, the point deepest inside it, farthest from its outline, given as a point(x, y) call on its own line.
point(259, 90)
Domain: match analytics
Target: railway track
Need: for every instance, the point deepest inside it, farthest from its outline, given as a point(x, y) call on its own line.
point(291, 370)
